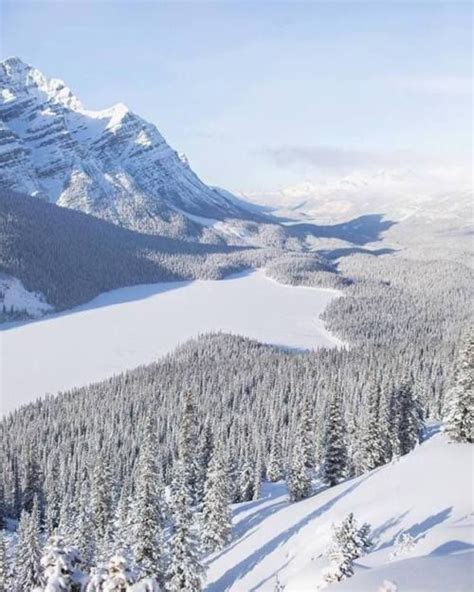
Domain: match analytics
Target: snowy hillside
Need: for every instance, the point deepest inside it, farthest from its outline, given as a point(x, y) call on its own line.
point(109, 163)
point(427, 494)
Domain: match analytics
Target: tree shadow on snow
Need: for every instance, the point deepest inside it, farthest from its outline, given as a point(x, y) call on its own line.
point(248, 563)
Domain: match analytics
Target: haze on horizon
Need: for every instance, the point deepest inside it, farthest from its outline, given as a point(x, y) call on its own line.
point(273, 98)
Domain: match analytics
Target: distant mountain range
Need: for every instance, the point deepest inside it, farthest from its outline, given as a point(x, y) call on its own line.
point(111, 163)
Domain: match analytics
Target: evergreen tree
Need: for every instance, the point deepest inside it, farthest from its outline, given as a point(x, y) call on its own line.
point(407, 417)
point(299, 477)
point(119, 576)
point(32, 484)
point(101, 507)
point(84, 533)
point(385, 424)
point(246, 482)
point(4, 567)
point(205, 450)
point(216, 519)
point(459, 404)
point(275, 464)
point(187, 444)
point(257, 476)
point(185, 570)
point(146, 515)
point(335, 453)
point(349, 542)
point(27, 572)
point(306, 427)
point(122, 522)
point(59, 565)
point(371, 446)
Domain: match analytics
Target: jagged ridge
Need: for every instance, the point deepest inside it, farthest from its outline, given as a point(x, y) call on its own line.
point(111, 163)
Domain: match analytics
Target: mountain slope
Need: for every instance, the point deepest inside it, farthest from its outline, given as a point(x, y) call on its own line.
point(110, 163)
point(71, 257)
point(427, 493)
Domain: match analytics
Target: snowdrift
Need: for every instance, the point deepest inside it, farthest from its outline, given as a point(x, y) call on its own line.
point(427, 494)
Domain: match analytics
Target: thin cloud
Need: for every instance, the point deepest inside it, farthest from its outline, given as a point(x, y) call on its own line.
point(333, 158)
point(438, 85)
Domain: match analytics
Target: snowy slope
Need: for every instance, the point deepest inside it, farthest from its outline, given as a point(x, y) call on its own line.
point(14, 297)
point(427, 493)
point(109, 163)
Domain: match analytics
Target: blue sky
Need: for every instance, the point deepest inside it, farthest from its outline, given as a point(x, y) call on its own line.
point(264, 95)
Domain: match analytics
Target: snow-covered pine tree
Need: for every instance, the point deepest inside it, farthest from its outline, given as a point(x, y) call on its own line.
point(184, 570)
point(459, 399)
point(27, 566)
point(4, 565)
point(216, 518)
point(306, 427)
point(408, 418)
point(32, 482)
point(146, 523)
point(385, 424)
point(53, 503)
point(275, 464)
point(349, 542)
point(205, 449)
point(60, 567)
point(122, 522)
point(119, 575)
point(335, 453)
point(246, 482)
point(101, 507)
point(257, 476)
point(371, 442)
point(84, 532)
point(187, 444)
point(299, 477)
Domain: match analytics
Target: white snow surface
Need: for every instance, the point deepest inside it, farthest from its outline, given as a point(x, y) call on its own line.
point(14, 295)
point(427, 493)
point(124, 328)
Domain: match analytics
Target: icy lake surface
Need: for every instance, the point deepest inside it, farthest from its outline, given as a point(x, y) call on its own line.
point(124, 328)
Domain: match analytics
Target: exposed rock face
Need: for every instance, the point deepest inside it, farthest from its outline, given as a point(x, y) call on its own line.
point(111, 163)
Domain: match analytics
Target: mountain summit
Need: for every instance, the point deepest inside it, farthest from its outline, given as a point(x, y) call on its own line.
point(111, 163)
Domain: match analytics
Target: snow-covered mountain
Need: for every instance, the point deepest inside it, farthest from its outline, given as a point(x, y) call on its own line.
point(111, 163)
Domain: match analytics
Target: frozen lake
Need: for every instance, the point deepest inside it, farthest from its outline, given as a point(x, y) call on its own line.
point(124, 328)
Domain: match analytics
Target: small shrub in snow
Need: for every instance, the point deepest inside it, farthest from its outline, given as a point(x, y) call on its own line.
point(349, 542)
point(404, 544)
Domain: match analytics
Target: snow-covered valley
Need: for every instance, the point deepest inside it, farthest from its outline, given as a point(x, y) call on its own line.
point(131, 326)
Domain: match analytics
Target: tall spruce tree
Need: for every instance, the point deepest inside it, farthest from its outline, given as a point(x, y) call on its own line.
point(299, 476)
point(146, 514)
point(27, 570)
point(216, 518)
point(102, 507)
point(371, 441)
point(184, 570)
point(246, 482)
point(459, 400)
point(187, 445)
point(408, 418)
point(205, 450)
point(275, 463)
point(335, 452)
